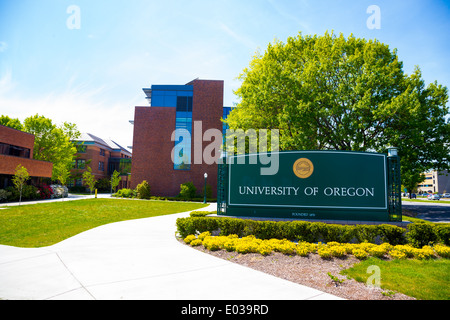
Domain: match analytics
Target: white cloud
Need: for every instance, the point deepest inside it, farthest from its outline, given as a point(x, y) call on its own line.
point(85, 107)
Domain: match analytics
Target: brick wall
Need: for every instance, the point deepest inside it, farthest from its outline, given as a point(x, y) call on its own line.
point(152, 145)
point(17, 138)
point(8, 164)
point(35, 168)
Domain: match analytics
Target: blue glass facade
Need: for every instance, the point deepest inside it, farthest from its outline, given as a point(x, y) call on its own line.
point(179, 97)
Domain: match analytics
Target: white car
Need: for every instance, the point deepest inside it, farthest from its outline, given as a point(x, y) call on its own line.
point(446, 195)
point(433, 197)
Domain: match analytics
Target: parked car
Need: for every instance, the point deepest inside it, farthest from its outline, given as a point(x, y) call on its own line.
point(433, 197)
point(446, 195)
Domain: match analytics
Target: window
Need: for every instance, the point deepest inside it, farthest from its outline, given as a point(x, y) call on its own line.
point(184, 104)
point(11, 150)
point(102, 152)
point(101, 166)
point(183, 133)
point(81, 164)
point(81, 149)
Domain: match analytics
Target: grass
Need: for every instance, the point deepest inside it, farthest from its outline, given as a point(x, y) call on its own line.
point(421, 279)
point(45, 224)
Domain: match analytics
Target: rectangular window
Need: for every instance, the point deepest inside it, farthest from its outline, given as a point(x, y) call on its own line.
point(81, 164)
point(101, 166)
point(11, 150)
point(183, 125)
point(102, 152)
point(81, 149)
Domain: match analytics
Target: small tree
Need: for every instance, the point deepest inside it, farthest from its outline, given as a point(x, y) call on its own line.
point(63, 175)
point(114, 181)
point(89, 179)
point(143, 190)
point(187, 190)
point(19, 179)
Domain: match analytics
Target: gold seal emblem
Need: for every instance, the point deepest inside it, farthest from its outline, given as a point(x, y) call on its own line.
point(303, 168)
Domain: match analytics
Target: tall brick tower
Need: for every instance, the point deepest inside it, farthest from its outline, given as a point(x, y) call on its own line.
point(175, 107)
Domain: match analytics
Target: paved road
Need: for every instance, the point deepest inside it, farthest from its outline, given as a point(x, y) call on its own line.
point(434, 211)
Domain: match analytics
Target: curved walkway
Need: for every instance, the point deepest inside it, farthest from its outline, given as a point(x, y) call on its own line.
point(137, 259)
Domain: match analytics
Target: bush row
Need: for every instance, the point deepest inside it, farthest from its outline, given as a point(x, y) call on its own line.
point(187, 193)
point(30, 192)
point(417, 234)
point(250, 244)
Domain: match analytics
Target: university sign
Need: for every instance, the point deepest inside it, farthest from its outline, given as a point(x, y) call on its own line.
point(334, 185)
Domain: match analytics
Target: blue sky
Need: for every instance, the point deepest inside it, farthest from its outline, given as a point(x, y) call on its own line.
point(93, 75)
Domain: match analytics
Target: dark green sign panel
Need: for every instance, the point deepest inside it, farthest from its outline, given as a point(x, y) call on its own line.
point(333, 185)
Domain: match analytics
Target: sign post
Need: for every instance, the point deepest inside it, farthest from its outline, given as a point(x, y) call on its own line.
point(325, 185)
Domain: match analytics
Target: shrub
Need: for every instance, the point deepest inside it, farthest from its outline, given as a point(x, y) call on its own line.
point(125, 193)
point(421, 234)
point(360, 254)
point(397, 254)
point(196, 242)
point(418, 234)
point(189, 238)
point(187, 190)
point(392, 234)
point(203, 235)
point(377, 251)
point(59, 191)
point(366, 233)
point(443, 233)
point(302, 250)
point(103, 185)
point(425, 253)
point(45, 192)
point(324, 252)
point(442, 251)
point(264, 248)
point(201, 213)
point(143, 190)
point(4, 194)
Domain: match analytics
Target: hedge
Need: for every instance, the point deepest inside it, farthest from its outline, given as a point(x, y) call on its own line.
point(417, 234)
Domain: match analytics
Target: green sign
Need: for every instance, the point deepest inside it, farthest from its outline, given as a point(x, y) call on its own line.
point(334, 185)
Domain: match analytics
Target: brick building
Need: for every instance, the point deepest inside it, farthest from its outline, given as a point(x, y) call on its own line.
point(16, 148)
point(192, 109)
point(103, 157)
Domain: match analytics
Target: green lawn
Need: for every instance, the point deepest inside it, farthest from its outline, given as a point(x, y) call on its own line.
point(421, 279)
point(45, 224)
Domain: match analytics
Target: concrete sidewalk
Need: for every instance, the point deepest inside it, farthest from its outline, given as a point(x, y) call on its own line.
point(137, 259)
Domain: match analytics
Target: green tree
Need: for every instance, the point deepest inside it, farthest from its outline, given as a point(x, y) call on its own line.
point(19, 179)
point(11, 122)
point(63, 173)
point(143, 190)
point(332, 92)
point(115, 178)
point(52, 143)
point(89, 179)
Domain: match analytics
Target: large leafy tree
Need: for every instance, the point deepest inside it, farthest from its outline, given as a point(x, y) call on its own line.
point(333, 92)
point(52, 143)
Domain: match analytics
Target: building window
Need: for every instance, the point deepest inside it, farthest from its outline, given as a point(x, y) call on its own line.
point(183, 133)
point(12, 150)
point(81, 164)
point(81, 149)
point(101, 166)
point(102, 152)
